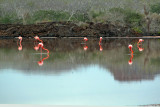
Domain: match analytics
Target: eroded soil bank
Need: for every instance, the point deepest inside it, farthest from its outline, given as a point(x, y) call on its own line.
point(67, 29)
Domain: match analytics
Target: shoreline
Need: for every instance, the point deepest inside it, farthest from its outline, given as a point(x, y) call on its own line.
point(81, 37)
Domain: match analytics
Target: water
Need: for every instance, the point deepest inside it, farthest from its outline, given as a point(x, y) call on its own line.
point(74, 76)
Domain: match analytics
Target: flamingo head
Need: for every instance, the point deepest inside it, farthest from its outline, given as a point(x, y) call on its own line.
point(85, 39)
point(130, 62)
point(20, 38)
point(40, 44)
point(141, 40)
point(141, 49)
point(36, 37)
point(101, 38)
point(130, 47)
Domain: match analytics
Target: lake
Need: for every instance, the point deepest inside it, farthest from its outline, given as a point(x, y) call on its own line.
point(89, 72)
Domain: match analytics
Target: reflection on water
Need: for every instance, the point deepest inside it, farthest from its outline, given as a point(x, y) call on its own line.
point(139, 44)
point(19, 43)
point(85, 44)
point(85, 85)
point(72, 76)
point(40, 45)
point(131, 52)
point(100, 44)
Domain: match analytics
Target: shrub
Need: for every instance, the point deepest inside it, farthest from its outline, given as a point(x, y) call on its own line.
point(9, 18)
point(133, 18)
point(130, 17)
point(50, 15)
point(42, 15)
point(117, 10)
point(155, 8)
point(31, 4)
point(80, 17)
point(155, 22)
point(95, 14)
point(138, 30)
point(6, 19)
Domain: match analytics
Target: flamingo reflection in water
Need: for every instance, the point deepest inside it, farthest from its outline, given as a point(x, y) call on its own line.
point(130, 62)
point(36, 47)
point(85, 40)
point(100, 44)
point(139, 45)
point(41, 46)
point(19, 43)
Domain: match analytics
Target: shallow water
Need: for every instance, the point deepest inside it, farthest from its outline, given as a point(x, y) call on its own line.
point(72, 75)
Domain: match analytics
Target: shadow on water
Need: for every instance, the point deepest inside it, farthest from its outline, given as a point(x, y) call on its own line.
point(57, 56)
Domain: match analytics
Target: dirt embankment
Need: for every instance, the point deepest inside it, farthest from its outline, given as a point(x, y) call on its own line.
point(66, 29)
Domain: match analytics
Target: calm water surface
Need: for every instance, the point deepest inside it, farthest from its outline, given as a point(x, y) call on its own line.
point(74, 76)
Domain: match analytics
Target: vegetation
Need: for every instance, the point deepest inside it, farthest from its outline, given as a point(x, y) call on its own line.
point(126, 12)
point(155, 8)
point(129, 16)
point(138, 30)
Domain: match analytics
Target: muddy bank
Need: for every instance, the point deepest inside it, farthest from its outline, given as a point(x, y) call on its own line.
point(67, 29)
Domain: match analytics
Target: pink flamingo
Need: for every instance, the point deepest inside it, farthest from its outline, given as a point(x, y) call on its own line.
point(100, 45)
point(130, 62)
point(85, 47)
point(139, 45)
point(85, 39)
point(19, 43)
point(37, 47)
point(37, 39)
point(40, 63)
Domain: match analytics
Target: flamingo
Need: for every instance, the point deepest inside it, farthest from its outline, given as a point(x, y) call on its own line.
point(19, 43)
point(40, 45)
point(100, 46)
point(37, 39)
point(85, 40)
point(140, 43)
point(130, 62)
point(85, 48)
